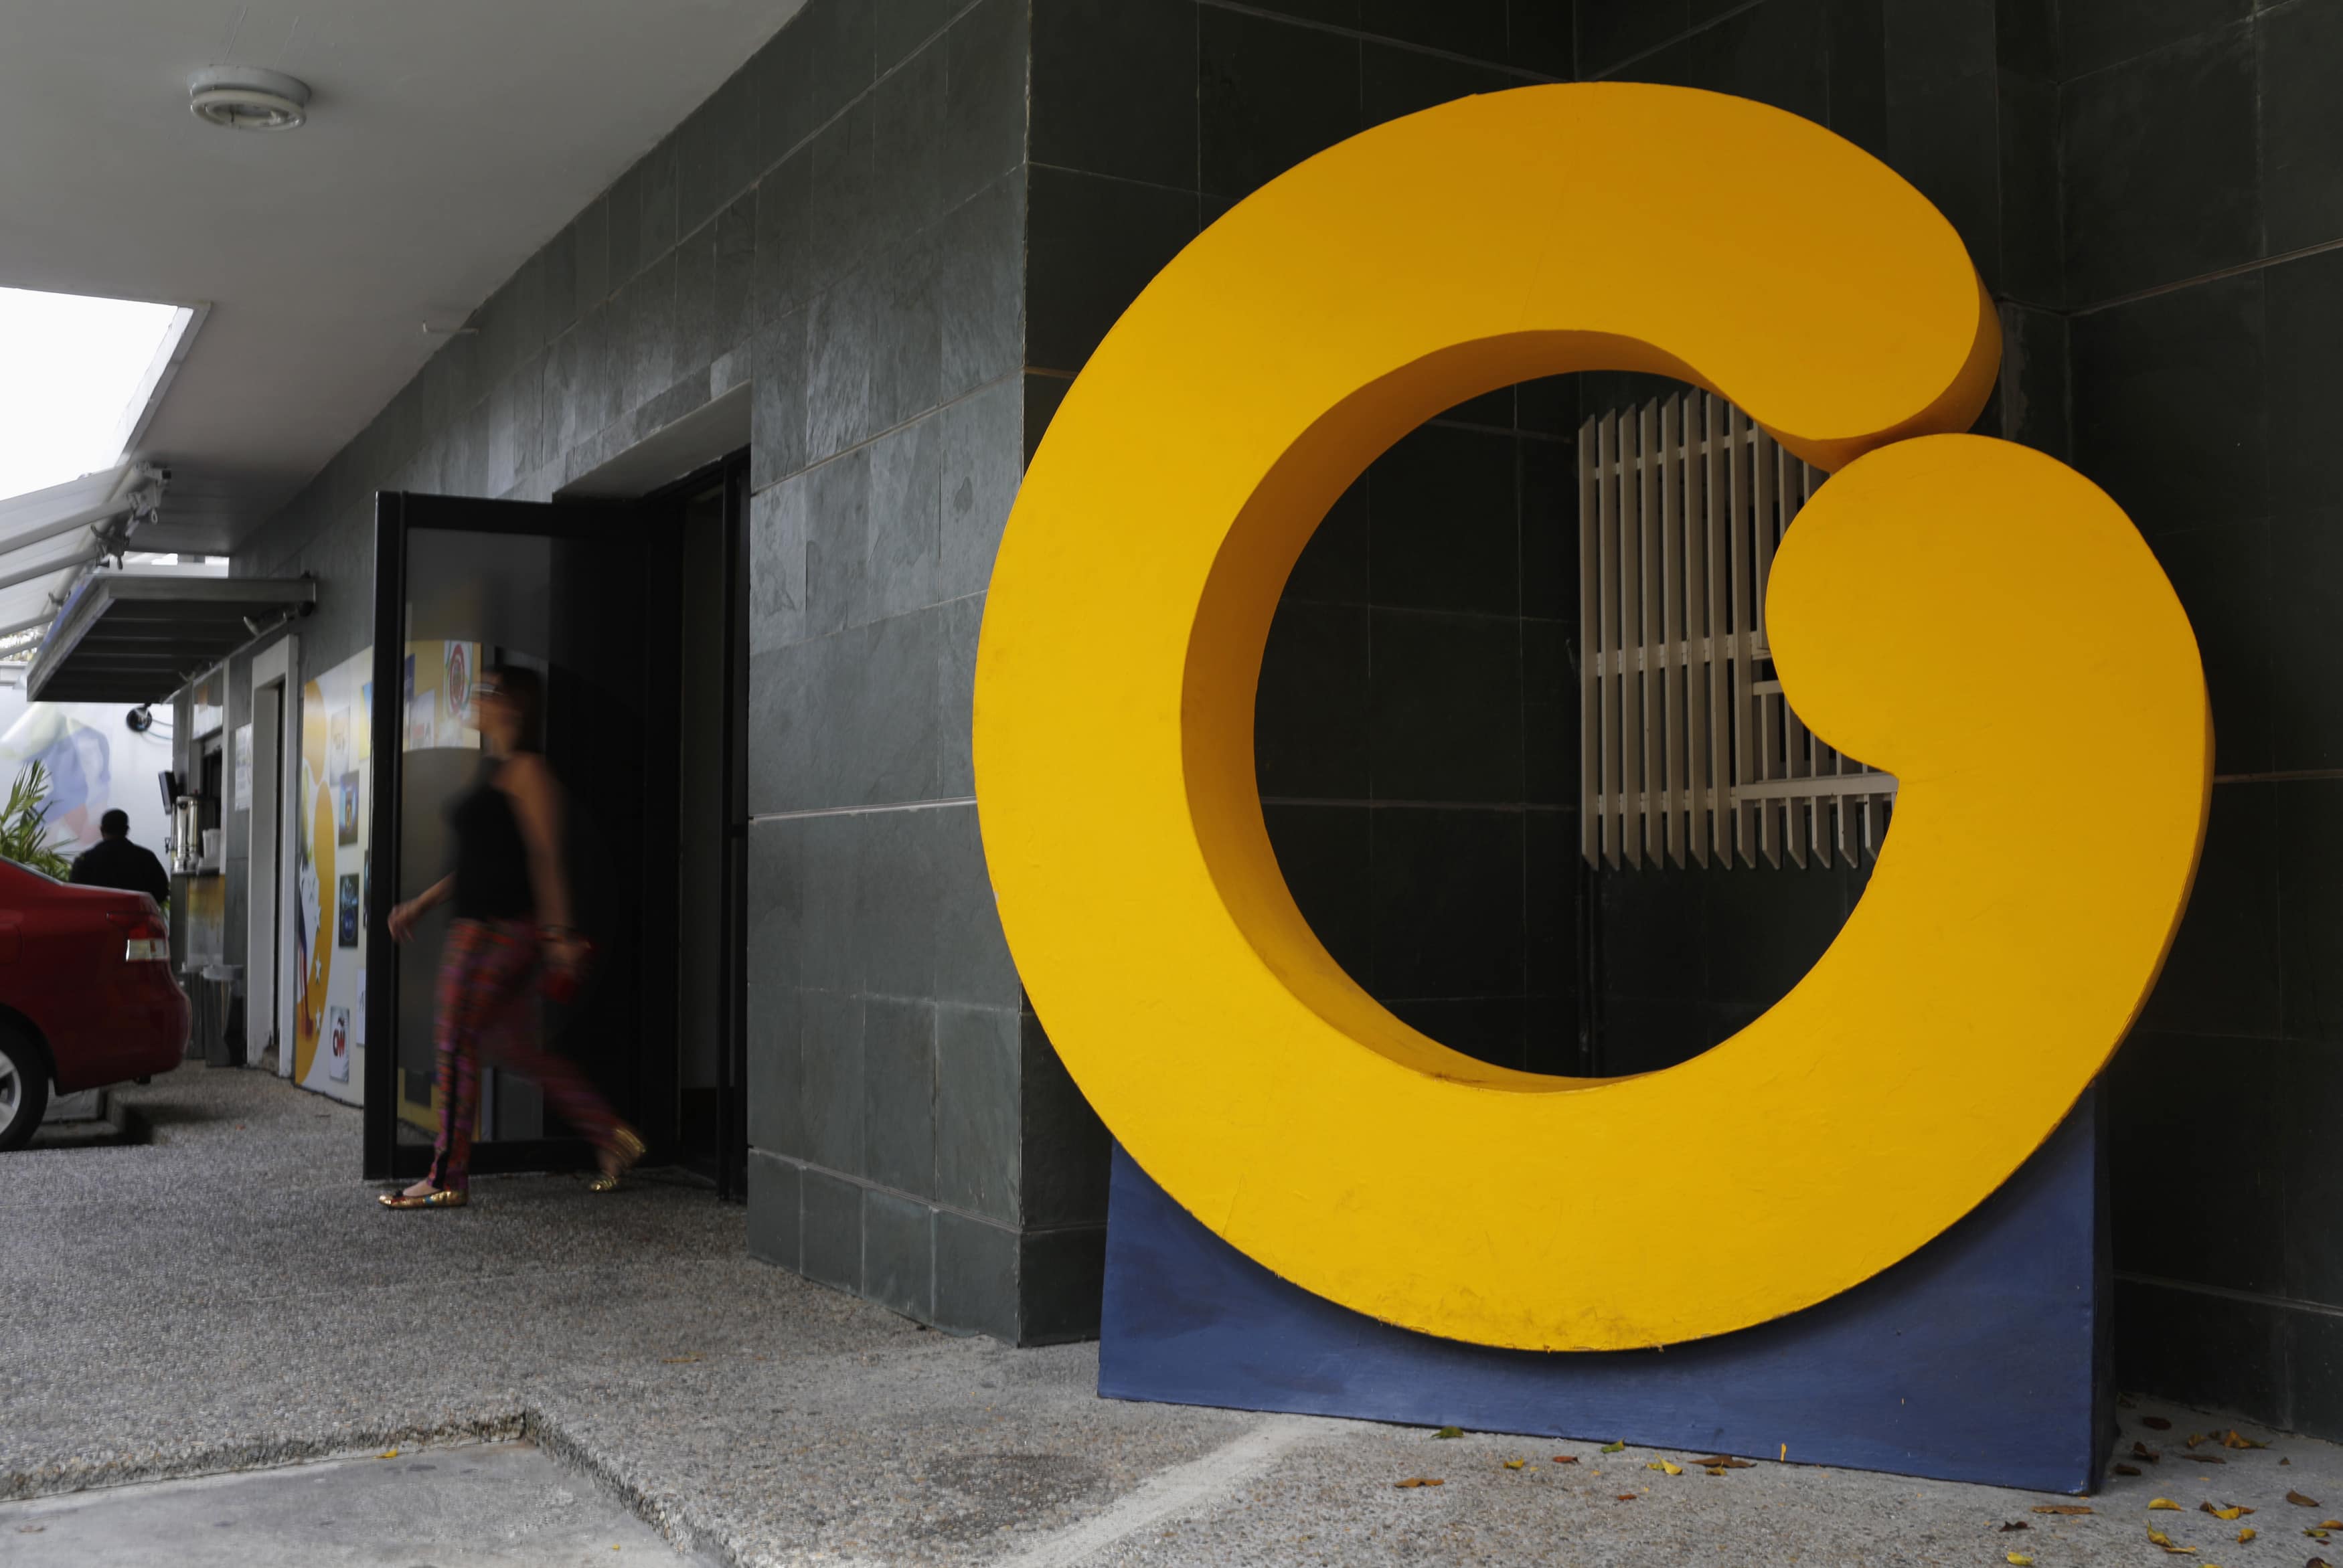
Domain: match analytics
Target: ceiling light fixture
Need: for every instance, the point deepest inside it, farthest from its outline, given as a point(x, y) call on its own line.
point(247, 99)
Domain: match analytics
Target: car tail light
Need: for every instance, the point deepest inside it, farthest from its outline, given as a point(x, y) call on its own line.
point(149, 939)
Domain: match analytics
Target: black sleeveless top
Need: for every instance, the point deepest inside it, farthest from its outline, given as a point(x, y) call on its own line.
point(491, 860)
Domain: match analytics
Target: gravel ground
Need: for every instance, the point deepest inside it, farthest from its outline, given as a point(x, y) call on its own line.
point(229, 1296)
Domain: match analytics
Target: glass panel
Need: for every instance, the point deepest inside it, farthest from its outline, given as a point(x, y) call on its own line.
point(473, 599)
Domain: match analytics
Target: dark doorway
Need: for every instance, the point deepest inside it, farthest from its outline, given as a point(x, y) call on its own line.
point(629, 610)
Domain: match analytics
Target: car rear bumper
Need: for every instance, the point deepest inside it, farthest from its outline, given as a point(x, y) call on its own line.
point(139, 1028)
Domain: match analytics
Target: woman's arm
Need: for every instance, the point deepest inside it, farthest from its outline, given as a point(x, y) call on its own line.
point(404, 916)
point(536, 806)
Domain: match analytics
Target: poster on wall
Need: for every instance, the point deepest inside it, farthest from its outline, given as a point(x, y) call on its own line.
point(329, 926)
point(243, 750)
point(422, 728)
point(437, 680)
point(95, 763)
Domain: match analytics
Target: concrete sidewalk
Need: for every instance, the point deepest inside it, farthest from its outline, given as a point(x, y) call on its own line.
point(229, 1296)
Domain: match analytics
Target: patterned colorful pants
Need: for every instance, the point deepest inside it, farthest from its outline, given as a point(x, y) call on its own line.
point(487, 980)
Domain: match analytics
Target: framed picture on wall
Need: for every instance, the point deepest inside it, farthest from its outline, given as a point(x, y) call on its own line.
point(345, 808)
point(346, 908)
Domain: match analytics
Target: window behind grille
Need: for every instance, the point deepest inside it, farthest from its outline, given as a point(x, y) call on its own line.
point(1688, 752)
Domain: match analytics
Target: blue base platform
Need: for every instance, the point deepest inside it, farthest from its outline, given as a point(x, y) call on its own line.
point(1983, 1357)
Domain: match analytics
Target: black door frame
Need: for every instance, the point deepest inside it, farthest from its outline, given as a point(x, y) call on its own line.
point(395, 514)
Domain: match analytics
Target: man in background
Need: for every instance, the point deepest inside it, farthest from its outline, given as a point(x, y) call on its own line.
point(113, 861)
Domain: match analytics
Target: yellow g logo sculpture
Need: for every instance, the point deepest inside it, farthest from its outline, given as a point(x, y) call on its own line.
point(1973, 617)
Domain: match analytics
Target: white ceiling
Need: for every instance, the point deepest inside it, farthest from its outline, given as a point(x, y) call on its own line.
point(448, 140)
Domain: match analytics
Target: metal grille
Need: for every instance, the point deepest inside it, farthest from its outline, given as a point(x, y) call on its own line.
point(1688, 751)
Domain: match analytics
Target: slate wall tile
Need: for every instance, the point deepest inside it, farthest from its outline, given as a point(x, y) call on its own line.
point(1612, 31)
point(1396, 82)
point(898, 1254)
point(905, 25)
point(2169, 403)
point(979, 1125)
point(2304, 337)
point(2223, 975)
point(2222, 572)
point(979, 279)
point(976, 1277)
point(903, 549)
point(831, 1232)
point(2301, 124)
point(1445, 523)
point(831, 1031)
point(2306, 592)
point(977, 474)
point(899, 1093)
point(1445, 709)
point(1310, 718)
point(1094, 243)
point(910, 143)
point(2161, 171)
point(1061, 1279)
point(985, 123)
point(777, 563)
point(1447, 902)
point(1271, 94)
point(773, 1218)
point(1115, 88)
point(2095, 34)
point(1325, 853)
point(1065, 1175)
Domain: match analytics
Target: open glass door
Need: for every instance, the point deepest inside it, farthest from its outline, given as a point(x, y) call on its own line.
point(585, 594)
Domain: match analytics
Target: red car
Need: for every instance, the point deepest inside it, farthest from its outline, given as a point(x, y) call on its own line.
point(87, 996)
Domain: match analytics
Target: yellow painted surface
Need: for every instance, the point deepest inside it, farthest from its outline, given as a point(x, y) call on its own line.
point(1975, 617)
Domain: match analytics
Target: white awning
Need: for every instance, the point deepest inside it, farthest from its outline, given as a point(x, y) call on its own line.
point(48, 536)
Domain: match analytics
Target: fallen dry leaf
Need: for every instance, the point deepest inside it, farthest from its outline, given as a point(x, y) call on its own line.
point(2235, 1440)
point(2141, 1451)
point(1625, 1497)
point(2164, 1502)
point(2232, 1511)
point(1418, 1481)
point(388, 1453)
point(2155, 1422)
point(2315, 1562)
point(2161, 1539)
point(2248, 1533)
point(2069, 1508)
point(1515, 1464)
point(2016, 1525)
point(2194, 1438)
point(1565, 1459)
point(2330, 1524)
point(2319, 1534)
point(1724, 1462)
point(1663, 1465)
point(1716, 1470)
point(1615, 1447)
point(2125, 1468)
point(2019, 1560)
point(1450, 1431)
point(2299, 1501)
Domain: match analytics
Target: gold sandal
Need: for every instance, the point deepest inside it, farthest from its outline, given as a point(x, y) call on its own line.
point(438, 1198)
point(622, 1158)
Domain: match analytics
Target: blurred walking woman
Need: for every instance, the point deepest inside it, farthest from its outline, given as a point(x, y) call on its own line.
point(512, 923)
